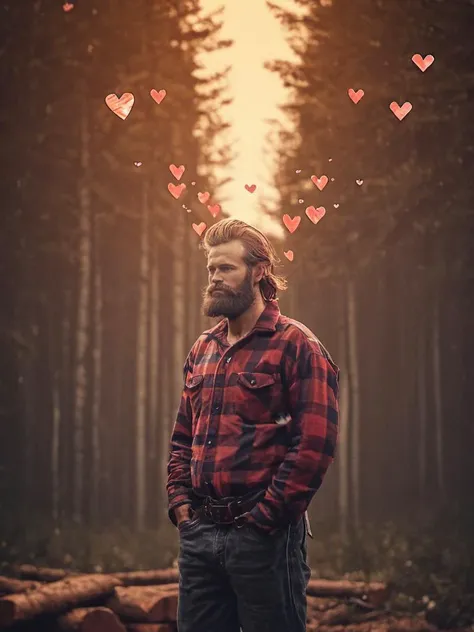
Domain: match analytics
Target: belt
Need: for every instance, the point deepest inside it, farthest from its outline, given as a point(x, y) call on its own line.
point(228, 510)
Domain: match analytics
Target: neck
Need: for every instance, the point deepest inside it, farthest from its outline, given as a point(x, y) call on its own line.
point(240, 327)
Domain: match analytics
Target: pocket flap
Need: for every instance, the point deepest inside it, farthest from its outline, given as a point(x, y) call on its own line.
point(195, 381)
point(256, 380)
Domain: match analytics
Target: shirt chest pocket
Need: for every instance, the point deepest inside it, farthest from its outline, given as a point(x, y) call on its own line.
point(193, 389)
point(258, 397)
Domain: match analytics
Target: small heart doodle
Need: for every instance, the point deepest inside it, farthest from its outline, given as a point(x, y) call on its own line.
point(289, 255)
point(291, 224)
point(355, 97)
point(214, 209)
point(203, 197)
point(176, 189)
point(320, 182)
point(401, 112)
point(157, 96)
point(177, 171)
point(199, 228)
point(121, 107)
point(251, 188)
point(422, 64)
point(315, 214)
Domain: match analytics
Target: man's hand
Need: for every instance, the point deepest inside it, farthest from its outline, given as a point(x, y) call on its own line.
point(182, 513)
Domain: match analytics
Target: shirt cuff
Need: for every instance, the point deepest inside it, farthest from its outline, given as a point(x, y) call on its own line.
point(172, 515)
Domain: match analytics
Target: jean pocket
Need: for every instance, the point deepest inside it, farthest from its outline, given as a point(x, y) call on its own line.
point(189, 525)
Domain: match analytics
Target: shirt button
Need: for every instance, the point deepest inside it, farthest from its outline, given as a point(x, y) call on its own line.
point(209, 442)
point(217, 408)
point(228, 359)
point(252, 381)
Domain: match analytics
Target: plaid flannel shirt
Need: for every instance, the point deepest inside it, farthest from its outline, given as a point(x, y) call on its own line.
point(261, 414)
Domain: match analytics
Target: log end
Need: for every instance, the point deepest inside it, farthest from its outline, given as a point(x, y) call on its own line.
point(7, 612)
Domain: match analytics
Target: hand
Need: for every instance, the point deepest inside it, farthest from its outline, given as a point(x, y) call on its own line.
point(183, 513)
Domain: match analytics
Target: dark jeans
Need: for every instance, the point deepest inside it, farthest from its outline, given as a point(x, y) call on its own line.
point(233, 578)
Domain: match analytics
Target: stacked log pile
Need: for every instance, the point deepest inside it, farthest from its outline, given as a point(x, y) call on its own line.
point(147, 601)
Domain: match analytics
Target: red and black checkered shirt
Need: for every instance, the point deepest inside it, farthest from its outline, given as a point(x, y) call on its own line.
point(260, 414)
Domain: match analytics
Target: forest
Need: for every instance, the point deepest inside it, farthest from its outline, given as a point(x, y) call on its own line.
point(101, 276)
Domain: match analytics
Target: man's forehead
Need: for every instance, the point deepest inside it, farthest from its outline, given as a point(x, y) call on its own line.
point(233, 251)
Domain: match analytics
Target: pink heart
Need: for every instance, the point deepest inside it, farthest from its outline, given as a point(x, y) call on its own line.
point(355, 97)
point(251, 188)
point(214, 210)
point(422, 64)
point(177, 171)
point(176, 189)
point(291, 224)
point(157, 96)
point(401, 112)
point(199, 228)
point(203, 197)
point(67, 6)
point(121, 107)
point(320, 182)
point(289, 254)
point(315, 214)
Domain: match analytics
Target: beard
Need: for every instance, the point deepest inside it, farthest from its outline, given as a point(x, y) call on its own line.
point(229, 303)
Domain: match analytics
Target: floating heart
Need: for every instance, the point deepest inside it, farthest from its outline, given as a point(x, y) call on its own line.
point(203, 197)
point(315, 214)
point(300, 201)
point(121, 107)
point(359, 182)
point(177, 171)
point(214, 209)
point(320, 182)
point(67, 6)
point(193, 183)
point(251, 188)
point(298, 171)
point(291, 224)
point(176, 189)
point(422, 64)
point(336, 205)
point(401, 112)
point(138, 164)
point(157, 96)
point(355, 97)
point(199, 228)
point(289, 254)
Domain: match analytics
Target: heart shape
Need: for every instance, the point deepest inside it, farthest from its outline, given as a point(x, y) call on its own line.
point(251, 188)
point(121, 107)
point(336, 205)
point(315, 214)
point(355, 97)
point(422, 64)
point(203, 197)
point(401, 112)
point(176, 189)
point(320, 182)
point(138, 164)
point(289, 255)
point(291, 224)
point(177, 171)
point(67, 6)
point(360, 182)
point(199, 228)
point(214, 209)
point(157, 96)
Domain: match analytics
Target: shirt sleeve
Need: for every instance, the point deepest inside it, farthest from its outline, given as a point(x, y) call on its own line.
point(313, 400)
point(179, 485)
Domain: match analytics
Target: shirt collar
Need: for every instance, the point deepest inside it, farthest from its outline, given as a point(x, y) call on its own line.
point(267, 321)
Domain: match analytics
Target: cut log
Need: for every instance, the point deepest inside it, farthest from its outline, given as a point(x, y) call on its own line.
point(150, 604)
point(42, 574)
point(95, 619)
point(343, 615)
point(152, 627)
point(149, 578)
point(130, 578)
point(56, 597)
point(376, 593)
point(10, 586)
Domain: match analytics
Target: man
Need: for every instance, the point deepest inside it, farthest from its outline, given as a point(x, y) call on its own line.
point(254, 436)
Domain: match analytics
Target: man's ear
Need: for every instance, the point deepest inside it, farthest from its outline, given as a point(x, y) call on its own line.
point(260, 269)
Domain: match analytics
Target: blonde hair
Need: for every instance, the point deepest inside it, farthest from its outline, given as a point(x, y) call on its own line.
point(258, 249)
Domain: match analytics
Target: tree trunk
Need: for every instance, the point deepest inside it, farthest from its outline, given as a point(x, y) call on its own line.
point(437, 394)
point(353, 367)
point(154, 351)
point(96, 491)
point(141, 386)
point(82, 332)
point(344, 415)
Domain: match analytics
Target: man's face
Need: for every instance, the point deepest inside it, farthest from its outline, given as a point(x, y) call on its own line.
point(229, 273)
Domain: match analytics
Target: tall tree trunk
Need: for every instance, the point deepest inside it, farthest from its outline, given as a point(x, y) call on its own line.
point(344, 416)
point(353, 367)
point(56, 426)
point(154, 352)
point(141, 386)
point(422, 403)
point(95, 492)
point(166, 307)
point(67, 388)
point(438, 387)
point(82, 332)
